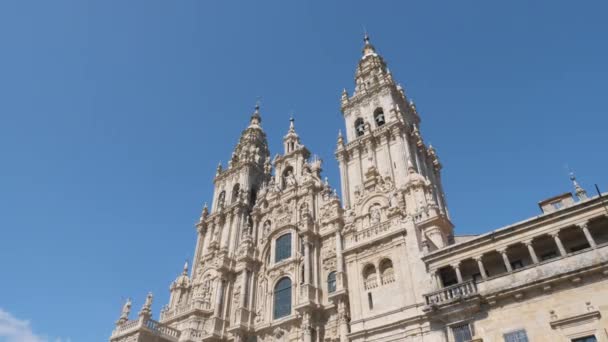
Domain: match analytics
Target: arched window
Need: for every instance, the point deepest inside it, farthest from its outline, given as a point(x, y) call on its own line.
point(359, 127)
point(370, 277)
point(331, 282)
point(235, 192)
point(221, 198)
point(282, 249)
point(282, 298)
point(253, 196)
point(379, 117)
point(387, 272)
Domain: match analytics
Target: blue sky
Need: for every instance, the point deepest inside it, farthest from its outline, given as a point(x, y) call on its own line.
point(114, 115)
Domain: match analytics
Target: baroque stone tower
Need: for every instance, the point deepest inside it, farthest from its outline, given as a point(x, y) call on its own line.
point(279, 258)
point(395, 205)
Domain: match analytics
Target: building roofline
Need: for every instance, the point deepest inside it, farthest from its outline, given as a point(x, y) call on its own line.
point(527, 223)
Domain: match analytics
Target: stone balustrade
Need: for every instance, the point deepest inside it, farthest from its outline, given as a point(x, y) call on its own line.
point(357, 237)
point(504, 262)
point(125, 327)
point(161, 329)
point(451, 293)
point(184, 308)
point(155, 327)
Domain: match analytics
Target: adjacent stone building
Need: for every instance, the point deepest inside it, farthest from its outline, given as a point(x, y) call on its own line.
point(280, 257)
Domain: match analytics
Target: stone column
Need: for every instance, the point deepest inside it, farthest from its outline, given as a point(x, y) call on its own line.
point(245, 288)
point(505, 258)
point(306, 327)
point(343, 321)
point(482, 269)
point(343, 164)
point(558, 242)
point(585, 227)
point(219, 299)
point(531, 250)
point(225, 233)
point(437, 279)
point(340, 261)
point(458, 273)
point(306, 262)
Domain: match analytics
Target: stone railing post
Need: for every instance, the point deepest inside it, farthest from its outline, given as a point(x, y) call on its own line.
point(585, 228)
point(505, 258)
point(531, 250)
point(482, 269)
point(558, 242)
point(456, 267)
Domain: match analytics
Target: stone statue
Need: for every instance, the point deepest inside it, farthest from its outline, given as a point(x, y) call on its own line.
point(290, 180)
point(374, 212)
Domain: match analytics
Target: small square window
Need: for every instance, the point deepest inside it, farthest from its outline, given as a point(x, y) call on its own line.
point(516, 336)
point(590, 338)
point(548, 256)
point(517, 264)
point(462, 333)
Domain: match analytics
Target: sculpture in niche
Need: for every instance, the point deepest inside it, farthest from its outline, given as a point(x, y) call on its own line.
point(290, 179)
point(235, 300)
point(304, 211)
point(266, 229)
point(374, 214)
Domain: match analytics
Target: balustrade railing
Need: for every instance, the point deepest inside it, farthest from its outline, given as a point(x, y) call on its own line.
point(368, 233)
point(370, 283)
point(388, 278)
point(168, 314)
point(126, 326)
point(161, 329)
point(451, 293)
point(151, 324)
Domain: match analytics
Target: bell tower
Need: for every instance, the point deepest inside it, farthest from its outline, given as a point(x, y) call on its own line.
point(395, 209)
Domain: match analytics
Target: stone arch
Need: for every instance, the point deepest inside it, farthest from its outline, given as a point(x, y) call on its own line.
point(236, 191)
point(370, 276)
point(359, 127)
point(387, 271)
point(379, 117)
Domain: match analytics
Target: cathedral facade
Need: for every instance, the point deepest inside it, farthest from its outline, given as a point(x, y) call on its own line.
point(280, 257)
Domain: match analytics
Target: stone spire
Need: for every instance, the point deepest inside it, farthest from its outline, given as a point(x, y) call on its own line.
point(368, 48)
point(256, 119)
point(581, 194)
point(146, 309)
point(252, 146)
point(291, 140)
point(126, 311)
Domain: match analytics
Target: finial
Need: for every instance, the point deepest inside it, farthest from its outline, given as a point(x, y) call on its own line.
point(256, 119)
point(218, 170)
point(368, 48)
point(578, 190)
point(340, 138)
point(205, 210)
point(291, 123)
point(410, 167)
point(146, 309)
point(124, 314)
point(185, 271)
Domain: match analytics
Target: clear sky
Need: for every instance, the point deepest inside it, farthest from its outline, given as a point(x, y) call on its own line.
point(114, 115)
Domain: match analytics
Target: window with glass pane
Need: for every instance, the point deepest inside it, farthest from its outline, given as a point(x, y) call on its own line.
point(282, 298)
point(591, 338)
point(516, 336)
point(282, 248)
point(462, 333)
point(331, 282)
